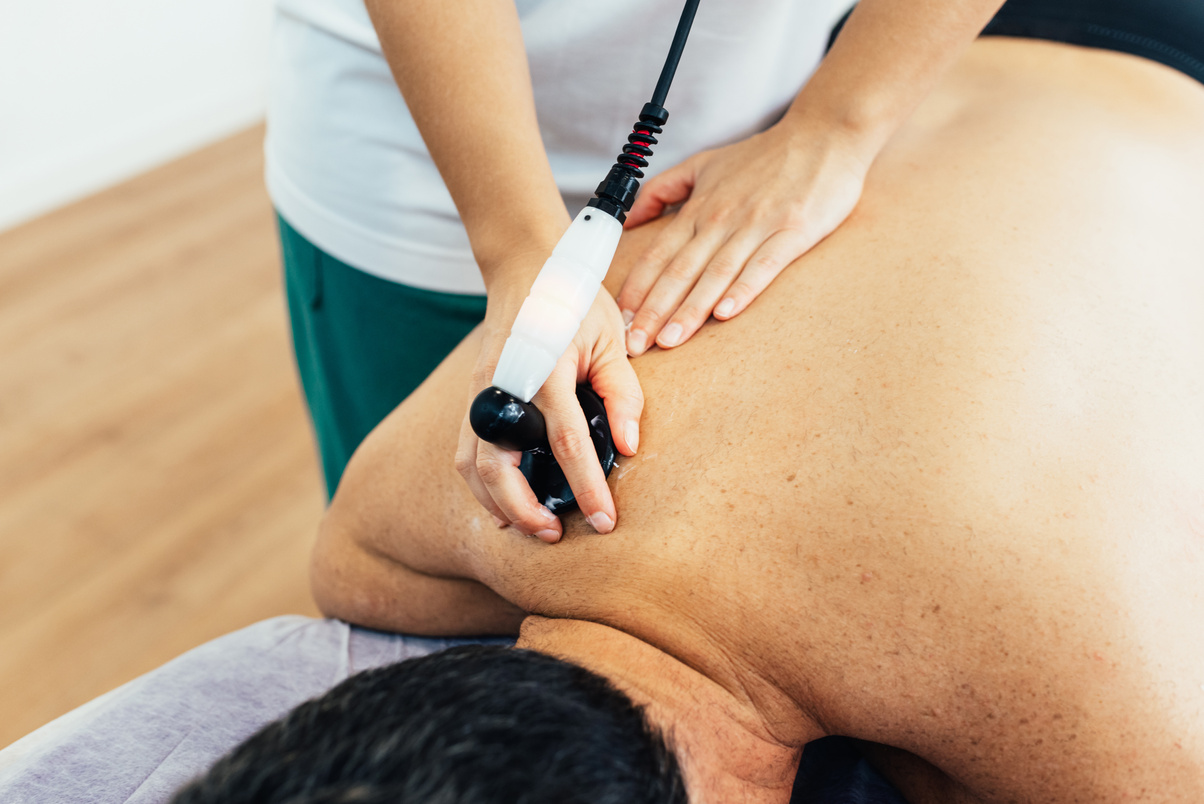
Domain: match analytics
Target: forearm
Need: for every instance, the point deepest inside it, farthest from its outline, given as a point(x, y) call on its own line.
point(364, 587)
point(887, 59)
point(463, 72)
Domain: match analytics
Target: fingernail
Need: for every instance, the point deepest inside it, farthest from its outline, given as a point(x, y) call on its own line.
point(725, 307)
point(637, 341)
point(627, 317)
point(548, 535)
point(601, 522)
point(546, 514)
point(501, 523)
point(670, 336)
point(632, 433)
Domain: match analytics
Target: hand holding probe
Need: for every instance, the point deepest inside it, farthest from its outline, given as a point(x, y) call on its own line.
point(558, 302)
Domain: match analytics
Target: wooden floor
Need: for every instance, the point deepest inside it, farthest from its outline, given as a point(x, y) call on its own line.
point(158, 485)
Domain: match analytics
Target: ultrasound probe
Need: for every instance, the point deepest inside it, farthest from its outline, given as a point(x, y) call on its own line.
point(562, 294)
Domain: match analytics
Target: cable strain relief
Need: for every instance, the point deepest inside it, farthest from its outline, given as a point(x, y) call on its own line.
point(619, 187)
point(609, 207)
point(651, 113)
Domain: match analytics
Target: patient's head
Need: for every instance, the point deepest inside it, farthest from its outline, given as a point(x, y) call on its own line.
point(471, 724)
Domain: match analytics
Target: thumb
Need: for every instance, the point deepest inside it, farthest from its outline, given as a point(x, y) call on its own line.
point(613, 379)
point(671, 187)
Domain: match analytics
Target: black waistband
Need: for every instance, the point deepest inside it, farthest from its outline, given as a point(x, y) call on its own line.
point(1170, 32)
point(1167, 31)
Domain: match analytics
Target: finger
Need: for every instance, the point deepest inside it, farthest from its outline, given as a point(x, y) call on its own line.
point(615, 381)
point(673, 186)
point(574, 450)
point(665, 246)
point(766, 263)
point(718, 276)
point(498, 470)
point(466, 465)
point(670, 290)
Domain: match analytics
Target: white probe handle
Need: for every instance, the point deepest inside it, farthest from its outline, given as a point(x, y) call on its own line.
point(561, 296)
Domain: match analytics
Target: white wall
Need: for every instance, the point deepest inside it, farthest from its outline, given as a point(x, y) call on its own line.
point(95, 91)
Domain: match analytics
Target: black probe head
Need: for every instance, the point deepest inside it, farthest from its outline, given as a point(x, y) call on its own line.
point(501, 418)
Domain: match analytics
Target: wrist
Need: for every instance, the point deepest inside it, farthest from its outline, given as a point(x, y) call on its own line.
point(509, 271)
point(511, 249)
point(859, 129)
point(508, 287)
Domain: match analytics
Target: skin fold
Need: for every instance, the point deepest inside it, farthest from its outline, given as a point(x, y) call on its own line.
point(940, 488)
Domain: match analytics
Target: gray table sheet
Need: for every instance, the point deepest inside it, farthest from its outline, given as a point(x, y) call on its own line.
point(142, 741)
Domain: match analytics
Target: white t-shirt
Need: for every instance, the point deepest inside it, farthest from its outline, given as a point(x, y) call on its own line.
point(347, 167)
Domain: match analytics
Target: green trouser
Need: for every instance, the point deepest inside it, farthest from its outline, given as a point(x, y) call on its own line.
point(362, 343)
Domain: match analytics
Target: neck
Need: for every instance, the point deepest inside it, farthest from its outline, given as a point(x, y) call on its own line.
point(734, 745)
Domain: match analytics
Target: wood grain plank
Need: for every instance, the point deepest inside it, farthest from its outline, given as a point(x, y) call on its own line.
point(158, 485)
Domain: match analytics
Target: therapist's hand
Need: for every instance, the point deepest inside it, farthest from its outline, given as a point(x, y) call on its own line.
point(597, 355)
point(748, 210)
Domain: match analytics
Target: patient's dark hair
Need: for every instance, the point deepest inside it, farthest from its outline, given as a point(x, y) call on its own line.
point(471, 725)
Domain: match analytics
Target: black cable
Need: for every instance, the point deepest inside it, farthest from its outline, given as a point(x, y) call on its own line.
point(497, 415)
point(616, 193)
point(679, 44)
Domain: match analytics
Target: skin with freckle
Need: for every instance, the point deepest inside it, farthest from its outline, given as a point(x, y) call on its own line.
point(940, 488)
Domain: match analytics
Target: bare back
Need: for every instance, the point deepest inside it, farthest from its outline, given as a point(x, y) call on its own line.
point(944, 481)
